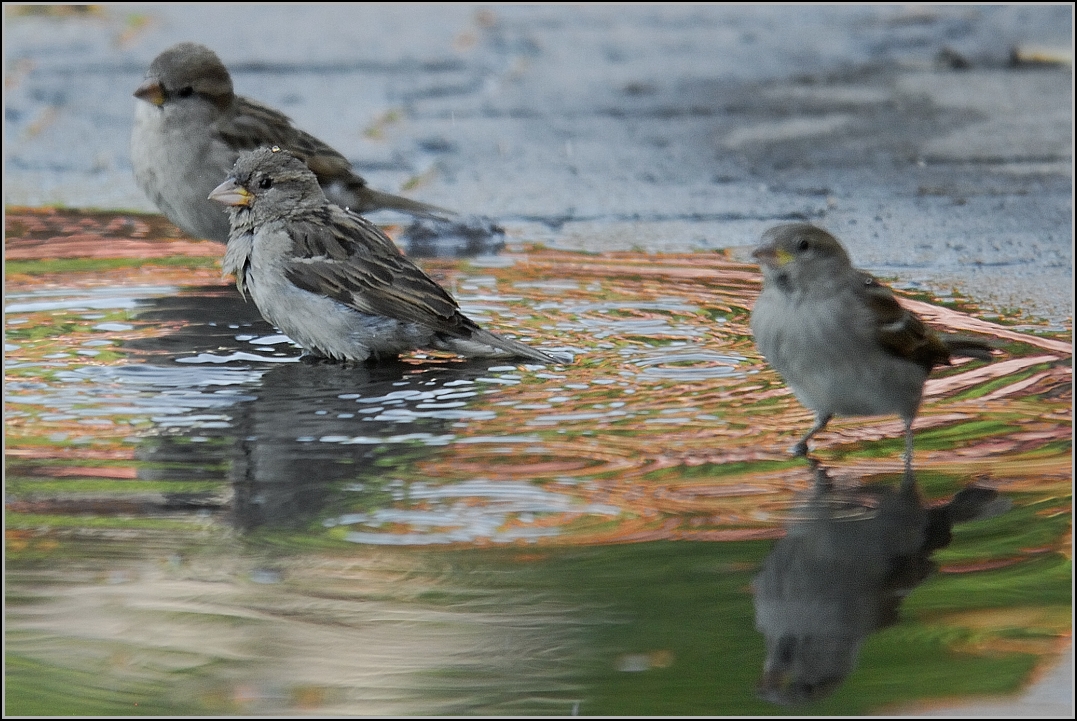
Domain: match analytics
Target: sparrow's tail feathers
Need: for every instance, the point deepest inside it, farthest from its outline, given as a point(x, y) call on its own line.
point(369, 200)
point(484, 344)
point(975, 503)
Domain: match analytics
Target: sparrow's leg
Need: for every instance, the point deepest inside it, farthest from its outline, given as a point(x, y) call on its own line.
point(908, 446)
point(908, 480)
point(801, 448)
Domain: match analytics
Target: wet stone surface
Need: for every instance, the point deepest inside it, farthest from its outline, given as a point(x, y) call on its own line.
point(928, 138)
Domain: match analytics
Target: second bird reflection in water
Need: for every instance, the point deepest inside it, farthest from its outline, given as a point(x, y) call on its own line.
point(850, 557)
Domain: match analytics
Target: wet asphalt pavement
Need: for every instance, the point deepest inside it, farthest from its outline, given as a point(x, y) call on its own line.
point(935, 141)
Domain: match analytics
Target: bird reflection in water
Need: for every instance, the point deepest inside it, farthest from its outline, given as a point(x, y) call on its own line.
point(280, 472)
point(296, 433)
point(287, 469)
point(849, 558)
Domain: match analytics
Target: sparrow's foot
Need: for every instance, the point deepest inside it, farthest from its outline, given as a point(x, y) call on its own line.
point(311, 359)
point(801, 448)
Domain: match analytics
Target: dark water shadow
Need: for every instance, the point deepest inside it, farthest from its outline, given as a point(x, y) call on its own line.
point(461, 236)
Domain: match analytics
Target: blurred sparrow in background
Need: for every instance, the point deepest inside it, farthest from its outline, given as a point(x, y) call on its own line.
point(191, 127)
point(838, 337)
point(330, 279)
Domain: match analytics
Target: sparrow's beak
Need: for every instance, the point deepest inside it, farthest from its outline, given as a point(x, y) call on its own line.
point(771, 255)
point(231, 193)
point(152, 92)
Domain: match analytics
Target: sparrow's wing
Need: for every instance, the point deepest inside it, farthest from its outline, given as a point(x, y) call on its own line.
point(342, 255)
point(898, 329)
point(252, 125)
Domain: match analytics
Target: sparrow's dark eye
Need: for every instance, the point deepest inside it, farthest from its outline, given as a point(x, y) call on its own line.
point(185, 92)
point(265, 183)
point(803, 244)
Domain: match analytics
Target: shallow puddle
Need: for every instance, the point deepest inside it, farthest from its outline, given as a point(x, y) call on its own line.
point(199, 523)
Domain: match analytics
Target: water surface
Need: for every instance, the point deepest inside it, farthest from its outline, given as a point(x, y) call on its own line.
point(197, 522)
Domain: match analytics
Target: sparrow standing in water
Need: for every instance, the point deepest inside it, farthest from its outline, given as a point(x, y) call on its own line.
point(838, 337)
point(330, 279)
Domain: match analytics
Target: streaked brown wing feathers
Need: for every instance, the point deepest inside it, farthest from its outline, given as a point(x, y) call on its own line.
point(344, 256)
point(900, 331)
point(254, 125)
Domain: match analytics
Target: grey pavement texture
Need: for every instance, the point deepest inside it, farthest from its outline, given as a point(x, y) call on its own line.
point(906, 130)
point(909, 131)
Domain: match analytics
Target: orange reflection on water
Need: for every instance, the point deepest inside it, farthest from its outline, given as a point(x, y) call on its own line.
point(667, 425)
point(150, 433)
